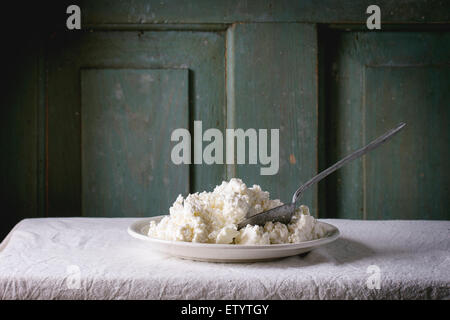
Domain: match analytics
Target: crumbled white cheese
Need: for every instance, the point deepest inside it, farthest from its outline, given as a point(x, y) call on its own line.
point(212, 217)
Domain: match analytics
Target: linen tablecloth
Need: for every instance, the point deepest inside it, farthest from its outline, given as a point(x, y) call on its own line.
point(95, 258)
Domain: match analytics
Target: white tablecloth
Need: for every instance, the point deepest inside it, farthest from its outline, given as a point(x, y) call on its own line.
point(95, 258)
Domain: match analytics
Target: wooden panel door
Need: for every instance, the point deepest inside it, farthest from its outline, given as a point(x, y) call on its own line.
point(270, 84)
point(249, 65)
point(114, 97)
point(377, 80)
point(126, 118)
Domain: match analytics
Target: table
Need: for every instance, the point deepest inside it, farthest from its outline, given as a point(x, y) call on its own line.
point(95, 258)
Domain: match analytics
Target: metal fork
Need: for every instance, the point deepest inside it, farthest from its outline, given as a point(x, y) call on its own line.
point(284, 213)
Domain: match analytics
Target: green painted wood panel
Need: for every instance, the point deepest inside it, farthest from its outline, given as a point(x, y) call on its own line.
point(230, 11)
point(375, 81)
point(126, 117)
point(275, 87)
point(201, 53)
point(409, 178)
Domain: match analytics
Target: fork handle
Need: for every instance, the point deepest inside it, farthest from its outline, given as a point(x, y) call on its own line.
point(354, 155)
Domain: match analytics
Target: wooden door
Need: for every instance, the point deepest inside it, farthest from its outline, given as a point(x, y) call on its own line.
point(115, 97)
point(88, 113)
point(113, 100)
point(375, 81)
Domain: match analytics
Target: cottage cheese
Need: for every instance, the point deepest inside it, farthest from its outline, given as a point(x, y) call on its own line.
point(212, 217)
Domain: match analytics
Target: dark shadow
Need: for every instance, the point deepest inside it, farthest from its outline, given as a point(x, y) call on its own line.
point(191, 115)
point(328, 43)
point(345, 250)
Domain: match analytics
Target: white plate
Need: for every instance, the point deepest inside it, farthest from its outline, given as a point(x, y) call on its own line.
point(227, 252)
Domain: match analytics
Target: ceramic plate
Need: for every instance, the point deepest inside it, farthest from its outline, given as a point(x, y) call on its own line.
point(227, 252)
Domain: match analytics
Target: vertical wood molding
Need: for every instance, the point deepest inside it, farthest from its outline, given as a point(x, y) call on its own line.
point(364, 141)
point(275, 87)
point(231, 103)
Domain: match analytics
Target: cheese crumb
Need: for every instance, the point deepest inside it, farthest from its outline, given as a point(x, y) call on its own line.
point(212, 217)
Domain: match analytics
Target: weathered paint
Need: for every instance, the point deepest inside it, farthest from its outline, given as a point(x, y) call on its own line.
point(377, 80)
point(230, 11)
point(409, 178)
point(127, 117)
point(202, 54)
point(275, 87)
point(33, 137)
